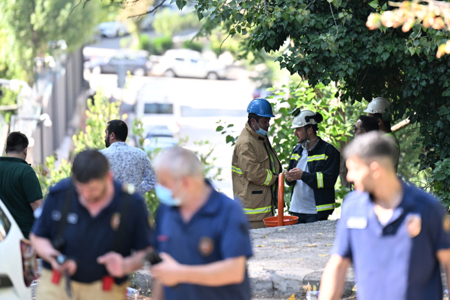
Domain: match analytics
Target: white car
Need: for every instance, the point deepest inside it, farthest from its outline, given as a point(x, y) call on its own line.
point(159, 137)
point(188, 63)
point(112, 29)
point(18, 266)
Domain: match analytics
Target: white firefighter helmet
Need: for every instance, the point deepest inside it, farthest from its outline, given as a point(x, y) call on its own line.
point(303, 118)
point(378, 105)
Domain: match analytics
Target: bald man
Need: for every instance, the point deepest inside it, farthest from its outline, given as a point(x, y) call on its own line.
point(201, 235)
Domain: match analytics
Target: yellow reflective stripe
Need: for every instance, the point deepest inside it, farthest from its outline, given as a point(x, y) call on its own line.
point(273, 164)
point(260, 210)
point(268, 178)
point(295, 156)
point(236, 170)
point(317, 157)
point(325, 207)
point(319, 180)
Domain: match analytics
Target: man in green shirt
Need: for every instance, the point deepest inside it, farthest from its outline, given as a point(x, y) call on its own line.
point(20, 190)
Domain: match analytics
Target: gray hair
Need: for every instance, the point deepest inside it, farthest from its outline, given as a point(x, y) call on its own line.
point(179, 162)
point(371, 146)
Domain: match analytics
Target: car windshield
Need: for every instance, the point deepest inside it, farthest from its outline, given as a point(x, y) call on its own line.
point(5, 225)
point(158, 108)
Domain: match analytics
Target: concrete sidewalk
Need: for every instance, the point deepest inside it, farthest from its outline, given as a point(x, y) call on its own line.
point(287, 260)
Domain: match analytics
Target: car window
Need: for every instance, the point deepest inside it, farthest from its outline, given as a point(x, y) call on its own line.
point(194, 61)
point(158, 108)
point(179, 58)
point(5, 225)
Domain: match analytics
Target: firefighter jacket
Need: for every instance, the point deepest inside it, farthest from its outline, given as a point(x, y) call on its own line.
point(255, 168)
point(323, 171)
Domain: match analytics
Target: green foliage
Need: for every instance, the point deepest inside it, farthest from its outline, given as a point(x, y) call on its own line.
point(168, 22)
point(189, 44)
point(97, 116)
point(8, 97)
point(327, 41)
point(159, 45)
point(27, 27)
point(440, 181)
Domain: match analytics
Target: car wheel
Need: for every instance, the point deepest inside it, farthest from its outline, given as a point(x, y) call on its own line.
point(139, 72)
point(212, 76)
point(169, 73)
point(97, 70)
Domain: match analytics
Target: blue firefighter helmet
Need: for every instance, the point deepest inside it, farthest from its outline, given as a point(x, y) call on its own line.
point(260, 107)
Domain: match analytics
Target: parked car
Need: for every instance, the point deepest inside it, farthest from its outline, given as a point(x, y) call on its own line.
point(154, 106)
point(188, 63)
point(113, 29)
point(18, 265)
point(137, 65)
point(159, 137)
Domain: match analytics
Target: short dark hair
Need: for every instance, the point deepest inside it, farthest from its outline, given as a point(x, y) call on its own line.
point(16, 142)
point(368, 123)
point(385, 118)
point(89, 165)
point(371, 145)
point(253, 116)
point(119, 128)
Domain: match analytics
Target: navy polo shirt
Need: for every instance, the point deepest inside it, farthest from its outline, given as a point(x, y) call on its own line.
point(87, 237)
point(391, 262)
point(219, 230)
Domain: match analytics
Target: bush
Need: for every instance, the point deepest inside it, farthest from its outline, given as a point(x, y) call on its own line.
point(144, 42)
point(159, 45)
point(189, 44)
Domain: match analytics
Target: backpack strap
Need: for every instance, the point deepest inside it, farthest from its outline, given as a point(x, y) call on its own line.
point(59, 241)
point(125, 207)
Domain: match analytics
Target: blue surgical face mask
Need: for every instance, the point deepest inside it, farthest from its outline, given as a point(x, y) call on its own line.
point(261, 131)
point(165, 195)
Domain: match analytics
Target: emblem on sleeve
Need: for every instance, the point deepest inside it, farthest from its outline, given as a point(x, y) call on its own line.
point(413, 225)
point(206, 246)
point(446, 224)
point(115, 221)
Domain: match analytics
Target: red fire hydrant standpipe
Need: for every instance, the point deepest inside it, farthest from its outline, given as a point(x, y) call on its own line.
point(280, 220)
point(280, 199)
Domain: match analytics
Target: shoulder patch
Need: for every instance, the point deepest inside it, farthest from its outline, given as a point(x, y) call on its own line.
point(128, 188)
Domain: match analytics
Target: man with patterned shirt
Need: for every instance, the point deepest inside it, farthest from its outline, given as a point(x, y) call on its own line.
point(128, 164)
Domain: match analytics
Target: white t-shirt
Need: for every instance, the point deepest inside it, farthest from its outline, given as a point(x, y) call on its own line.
point(303, 201)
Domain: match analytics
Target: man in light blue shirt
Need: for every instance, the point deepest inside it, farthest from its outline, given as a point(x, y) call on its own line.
point(128, 164)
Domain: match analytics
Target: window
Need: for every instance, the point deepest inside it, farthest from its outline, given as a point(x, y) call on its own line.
point(158, 108)
point(179, 59)
point(5, 225)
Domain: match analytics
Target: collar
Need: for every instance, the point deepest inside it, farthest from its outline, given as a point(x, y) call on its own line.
point(118, 144)
point(406, 206)
point(211, 206)
point(16, 159)
point(254, 134)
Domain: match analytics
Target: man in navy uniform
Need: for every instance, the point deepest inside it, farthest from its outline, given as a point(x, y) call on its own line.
point(396, 235)
point(202, 235)
point(96, 223)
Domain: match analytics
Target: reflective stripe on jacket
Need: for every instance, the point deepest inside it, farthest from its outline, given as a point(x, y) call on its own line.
point(254, 170)
point(323, 165)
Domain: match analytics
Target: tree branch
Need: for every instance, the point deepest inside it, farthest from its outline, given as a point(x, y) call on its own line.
point(400, 125)
point(332, 13)
point(150, 11)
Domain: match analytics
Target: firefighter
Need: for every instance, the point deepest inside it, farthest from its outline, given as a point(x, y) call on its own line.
point(379, 109)
point(255, 165)
point(313, 170)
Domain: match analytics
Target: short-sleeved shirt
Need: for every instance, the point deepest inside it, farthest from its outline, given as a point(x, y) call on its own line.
point(218, 231)
point(86, 237)
point(131, 165)
point(303, 200)
point(19, 186)
point(391, 262)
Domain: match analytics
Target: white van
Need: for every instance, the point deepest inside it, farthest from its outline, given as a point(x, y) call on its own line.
point(154, 106)
point(18, 265)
